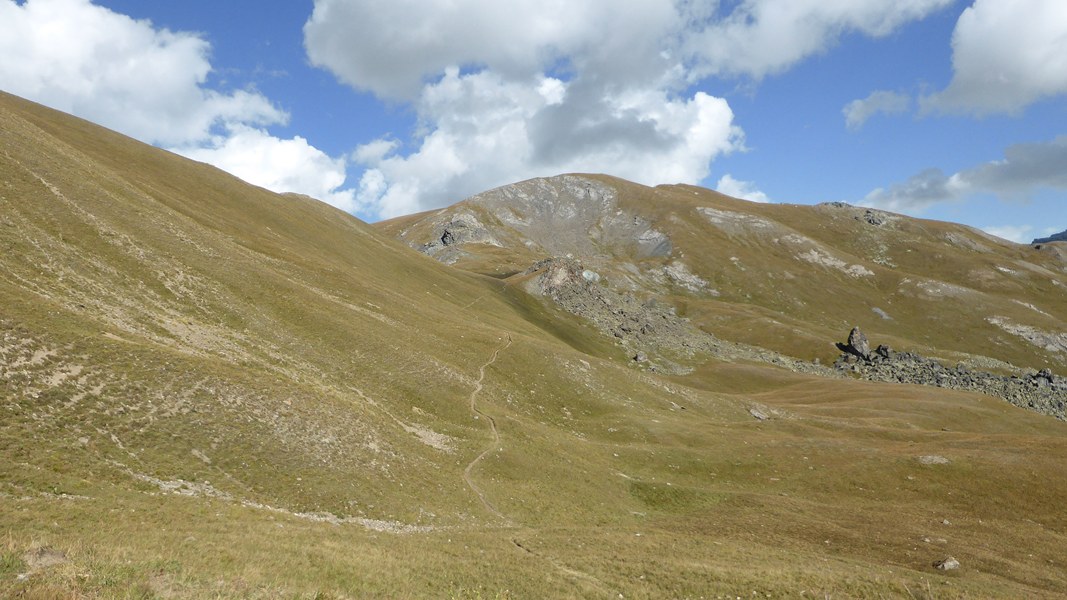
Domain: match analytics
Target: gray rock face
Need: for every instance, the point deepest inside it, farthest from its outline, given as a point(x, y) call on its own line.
point(463, 228)
point(873, 217)
point(636, 324)
point(857, 344)
point(651, 332)
point(1058, 237)
point(1040, 391)
point(563, 215)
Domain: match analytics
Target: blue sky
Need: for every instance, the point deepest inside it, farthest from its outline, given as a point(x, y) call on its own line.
point(943, 109)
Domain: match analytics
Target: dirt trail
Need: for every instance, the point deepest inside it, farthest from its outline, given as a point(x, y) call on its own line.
point(585, 579)
point(495, 445)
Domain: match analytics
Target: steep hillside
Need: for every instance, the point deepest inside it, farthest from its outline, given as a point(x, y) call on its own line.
point(210, 390)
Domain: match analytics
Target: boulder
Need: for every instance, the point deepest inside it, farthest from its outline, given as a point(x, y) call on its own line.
point(857, 344)
point(947, 564)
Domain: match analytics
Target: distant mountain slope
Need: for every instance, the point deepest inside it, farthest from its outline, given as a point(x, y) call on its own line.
point(785, 277)
point(209, 390)
point(1057, 237)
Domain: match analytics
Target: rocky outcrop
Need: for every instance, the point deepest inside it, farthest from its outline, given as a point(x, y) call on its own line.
point(461, 229)
point(1040, 391)
point(640, 326)
point(650, 331)
point(553, 216)
point(870, 216)
point(857, 344)
point(1058, 237)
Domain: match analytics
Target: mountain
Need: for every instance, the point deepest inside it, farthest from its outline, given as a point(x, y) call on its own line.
point(211, 390)
point(786, 278)
point(1057, 237)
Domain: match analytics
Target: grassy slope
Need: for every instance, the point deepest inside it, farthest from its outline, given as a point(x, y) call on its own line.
point(164, 326)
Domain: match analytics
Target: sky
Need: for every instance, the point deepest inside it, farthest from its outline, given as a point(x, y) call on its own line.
point(942, 109)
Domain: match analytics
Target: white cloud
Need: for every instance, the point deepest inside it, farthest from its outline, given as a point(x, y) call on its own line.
point(1024, 169)
point(485, 131)
point(858, 112)
point(509, 90)
point(145, 82)
point(394, 48)
point(150, 84)
point(279, 165)
point(1020, 234)
point(1005, 56)
point(746, 190)
point(764, 37)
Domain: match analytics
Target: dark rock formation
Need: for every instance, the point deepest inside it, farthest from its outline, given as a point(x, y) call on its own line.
point(1040, 391)
point(462, 229)
point(873, 217)
point(857, 345)
point(1058, 237)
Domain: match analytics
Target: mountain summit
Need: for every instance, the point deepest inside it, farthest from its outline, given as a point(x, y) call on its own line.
point(592, 389)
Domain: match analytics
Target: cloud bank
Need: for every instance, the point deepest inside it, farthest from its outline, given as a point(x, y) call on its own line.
point(506, 91)
point(1024, 169)
point(1005, 56)
point(151, 84)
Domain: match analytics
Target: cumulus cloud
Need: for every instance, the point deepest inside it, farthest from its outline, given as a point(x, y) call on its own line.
point(859, 111)
point(764, 37)
point(1005, 56)
point(279, 165)
point(487, 131)
point(394, 48)
point(505, 91)
point(1024, 169)
point(150, 84)
point(125, 74)
point(746, 190)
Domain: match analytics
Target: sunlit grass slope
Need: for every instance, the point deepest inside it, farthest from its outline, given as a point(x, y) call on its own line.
point(210, 390)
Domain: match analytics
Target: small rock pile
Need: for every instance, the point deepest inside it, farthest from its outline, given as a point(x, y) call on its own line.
point(1040, 391)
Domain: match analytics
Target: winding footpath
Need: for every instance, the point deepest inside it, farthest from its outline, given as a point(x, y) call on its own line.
point(494, 446)
point(585, 578)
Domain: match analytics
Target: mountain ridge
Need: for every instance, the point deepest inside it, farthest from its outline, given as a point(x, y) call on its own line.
point(706, 241)
point(1056, 237)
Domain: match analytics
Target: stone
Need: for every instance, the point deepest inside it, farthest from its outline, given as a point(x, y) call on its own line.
point(947, 564)
point(43, 558)
point(873, 218)
point(1040, 391)
point(858, 344)
point(758, 414)
point(934, 459)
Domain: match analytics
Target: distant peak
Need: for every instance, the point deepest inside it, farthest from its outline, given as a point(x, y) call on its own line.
point(1056, 237)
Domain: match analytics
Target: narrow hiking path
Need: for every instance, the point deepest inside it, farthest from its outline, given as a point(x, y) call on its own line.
point(593, 584)
point(495, 445)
